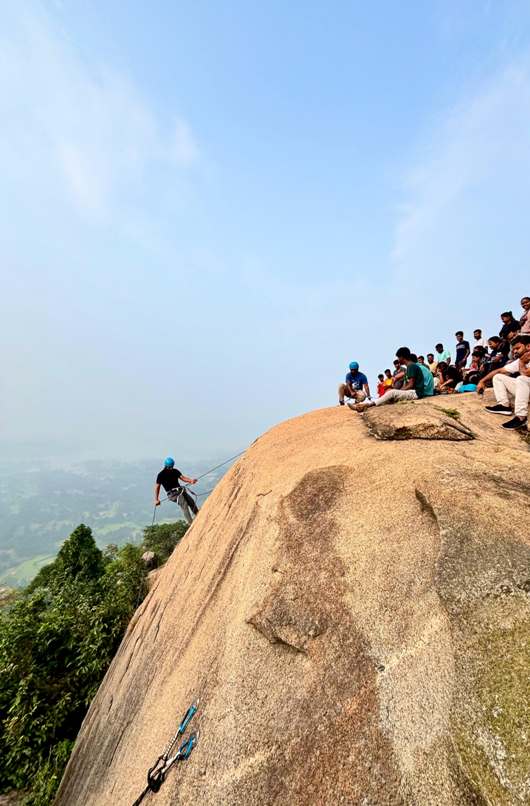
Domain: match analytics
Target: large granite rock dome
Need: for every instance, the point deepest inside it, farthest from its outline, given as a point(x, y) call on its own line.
point(352, 609)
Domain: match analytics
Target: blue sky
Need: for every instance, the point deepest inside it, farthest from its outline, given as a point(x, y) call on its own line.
point(209, 209)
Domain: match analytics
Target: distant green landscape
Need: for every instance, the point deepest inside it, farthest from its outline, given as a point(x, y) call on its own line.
point(41, 504)
point(24, 572)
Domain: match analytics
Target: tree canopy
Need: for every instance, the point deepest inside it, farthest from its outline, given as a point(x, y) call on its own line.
point(56, 642)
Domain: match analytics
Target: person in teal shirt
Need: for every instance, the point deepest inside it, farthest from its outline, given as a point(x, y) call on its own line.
point(428, 379)
point(442, 355)
point(413, 388)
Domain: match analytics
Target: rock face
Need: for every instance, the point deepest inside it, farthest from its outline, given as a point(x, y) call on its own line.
point(351, 608)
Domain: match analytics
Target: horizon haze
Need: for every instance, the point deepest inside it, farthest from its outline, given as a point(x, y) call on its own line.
point(207, 211)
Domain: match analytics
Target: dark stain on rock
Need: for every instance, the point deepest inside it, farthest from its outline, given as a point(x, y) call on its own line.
point(334, 728)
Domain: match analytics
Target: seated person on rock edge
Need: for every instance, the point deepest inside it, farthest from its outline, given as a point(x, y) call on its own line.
point(421, 360)
point(389, 381)
point(508, 324)
point(524, 321)
point(448, 377)
point(427, 376)
point(509, 390)
point(413, 388)
point(398, 376)
point(462, 350)
point(381, 388)
point(356, 385)
point(475, 371)
point(442, 355)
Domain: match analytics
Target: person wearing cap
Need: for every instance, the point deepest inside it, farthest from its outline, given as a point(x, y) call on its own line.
point(356, 386)
point(170, 479)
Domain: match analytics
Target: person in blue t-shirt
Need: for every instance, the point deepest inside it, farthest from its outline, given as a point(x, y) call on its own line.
point(356, 386)
point(413, 388)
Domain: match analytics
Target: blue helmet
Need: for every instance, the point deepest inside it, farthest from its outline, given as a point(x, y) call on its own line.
point(169, 462)
point(354, 365)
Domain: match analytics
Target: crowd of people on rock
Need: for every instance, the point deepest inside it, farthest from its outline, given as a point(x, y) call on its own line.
point(501, 361)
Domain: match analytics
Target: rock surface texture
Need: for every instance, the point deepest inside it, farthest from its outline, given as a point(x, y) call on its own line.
point(352, 608)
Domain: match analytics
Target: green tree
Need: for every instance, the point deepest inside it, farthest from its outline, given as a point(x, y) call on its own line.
point(56, 643)
point(162, 539)
point(79, 558)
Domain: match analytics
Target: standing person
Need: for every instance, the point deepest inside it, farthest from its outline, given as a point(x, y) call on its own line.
point(381, 388)
point(524, 321)
point(413, 388)
point(431, 363)
point(508, 324)
point(356, 386)
point(462, 350)
point(169, 478)
point(442, 355)
point(510, 390)
point(480, 341)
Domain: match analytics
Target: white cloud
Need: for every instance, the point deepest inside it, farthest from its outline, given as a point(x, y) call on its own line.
point(78, 126)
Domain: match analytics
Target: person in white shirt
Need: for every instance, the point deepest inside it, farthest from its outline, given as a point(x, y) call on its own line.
point(480, 341)
point(509, 390)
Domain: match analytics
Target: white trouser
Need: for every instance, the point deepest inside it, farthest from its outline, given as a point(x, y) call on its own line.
point(507, 388)
point(396, 394)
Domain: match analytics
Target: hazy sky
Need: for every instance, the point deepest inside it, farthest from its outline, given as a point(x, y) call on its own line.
point(208, 209)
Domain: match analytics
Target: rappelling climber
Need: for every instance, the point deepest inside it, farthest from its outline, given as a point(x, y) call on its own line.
point(170, 479)
point(356, 386)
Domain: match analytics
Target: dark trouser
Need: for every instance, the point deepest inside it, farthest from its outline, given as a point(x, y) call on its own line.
point(185, 501)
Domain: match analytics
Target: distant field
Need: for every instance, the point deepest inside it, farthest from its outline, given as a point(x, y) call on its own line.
point(42, 505)
point(23, 573)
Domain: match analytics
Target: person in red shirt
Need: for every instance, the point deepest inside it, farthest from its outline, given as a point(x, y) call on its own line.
point(381, 388)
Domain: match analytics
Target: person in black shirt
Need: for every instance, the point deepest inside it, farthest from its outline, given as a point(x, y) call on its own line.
point(169, 478)
point(462, 350)
point(508, 324)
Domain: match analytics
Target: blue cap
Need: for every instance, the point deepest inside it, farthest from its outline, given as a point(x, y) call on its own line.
point(354, 365)
point(169, 461)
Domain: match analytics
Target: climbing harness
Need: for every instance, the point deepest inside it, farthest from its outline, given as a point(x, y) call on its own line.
point(179, 495)
point(156, 775)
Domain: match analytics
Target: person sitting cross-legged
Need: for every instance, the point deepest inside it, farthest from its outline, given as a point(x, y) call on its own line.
point(356, 385)
point(413, 388)
point(510, 390)
point(427, 375)
point(448, 377)
point(474, 371)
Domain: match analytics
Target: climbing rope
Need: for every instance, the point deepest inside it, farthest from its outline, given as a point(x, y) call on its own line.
point(156, 775)
point(207, 492)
